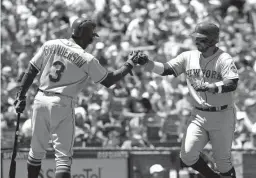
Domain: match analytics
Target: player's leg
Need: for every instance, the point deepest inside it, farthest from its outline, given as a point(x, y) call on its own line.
point(63, 130)
point(221, 143)
point(193, 143)
point(40, 139)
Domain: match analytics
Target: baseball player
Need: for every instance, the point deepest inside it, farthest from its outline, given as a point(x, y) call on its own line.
point(64, 67)
point(212, 78)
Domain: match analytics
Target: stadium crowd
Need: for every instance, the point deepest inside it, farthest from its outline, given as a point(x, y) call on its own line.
point(144, 110)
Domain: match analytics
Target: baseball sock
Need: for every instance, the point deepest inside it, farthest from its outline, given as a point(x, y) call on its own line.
point(33, 167)
point(231, 173)
point(62, 171)
point(202, 167)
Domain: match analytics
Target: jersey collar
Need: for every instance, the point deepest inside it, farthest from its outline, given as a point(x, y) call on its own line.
point(210, 57)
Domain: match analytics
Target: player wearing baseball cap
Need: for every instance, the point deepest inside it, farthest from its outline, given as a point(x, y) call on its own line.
point(64, 67)
point(212, 79)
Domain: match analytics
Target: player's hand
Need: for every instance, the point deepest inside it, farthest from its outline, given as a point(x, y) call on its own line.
point(142, 59)
point(137, 58)
point(212, 87)
point(204, 86)
point(133, 58)
point(20, 104)
point(200, 86)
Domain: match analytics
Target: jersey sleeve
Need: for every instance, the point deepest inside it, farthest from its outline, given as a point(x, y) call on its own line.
point(96, 71)
point(228, 69)
point(178, 64)
point(37, 60)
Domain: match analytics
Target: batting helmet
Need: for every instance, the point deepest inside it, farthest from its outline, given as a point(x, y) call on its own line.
point(79, 25)
point(206, 30)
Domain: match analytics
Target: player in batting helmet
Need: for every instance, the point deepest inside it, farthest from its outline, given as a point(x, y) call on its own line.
point(83, 31)
point(206, 35)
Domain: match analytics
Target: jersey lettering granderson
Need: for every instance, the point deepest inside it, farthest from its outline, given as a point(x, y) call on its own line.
point(62, 51)
point(215, 68)
point(65, 67)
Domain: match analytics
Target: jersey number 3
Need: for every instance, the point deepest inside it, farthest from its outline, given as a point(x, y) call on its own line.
point(56, 71)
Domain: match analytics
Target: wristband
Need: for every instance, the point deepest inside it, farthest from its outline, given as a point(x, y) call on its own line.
point(219, 85)
point(158, 68)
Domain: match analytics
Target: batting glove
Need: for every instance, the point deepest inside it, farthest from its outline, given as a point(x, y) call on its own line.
point(142, 59)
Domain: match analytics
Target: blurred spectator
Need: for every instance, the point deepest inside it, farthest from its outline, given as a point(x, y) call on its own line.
point(82, 128)
point(156, 171)
point(140, 30)
point(3, 123)
point(25, 134)
point(113, 133)
point(136, 135)
point(136, 141)
point(250, 108)
point(26, 129)
point(135, 107)
point(96, 126)
point(252, 142)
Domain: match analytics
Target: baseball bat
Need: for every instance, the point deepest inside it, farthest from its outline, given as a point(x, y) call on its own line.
point(12, 171)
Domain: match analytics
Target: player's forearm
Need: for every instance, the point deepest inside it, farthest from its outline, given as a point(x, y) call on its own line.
point(117, 75)
point(27, 80)
point(159, 68)
point(227, 85)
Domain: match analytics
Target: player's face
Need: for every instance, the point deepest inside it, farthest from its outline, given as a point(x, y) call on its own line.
point(201, 44)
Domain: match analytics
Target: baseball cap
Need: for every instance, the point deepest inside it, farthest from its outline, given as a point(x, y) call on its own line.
point(156, 168)
point(206, 30)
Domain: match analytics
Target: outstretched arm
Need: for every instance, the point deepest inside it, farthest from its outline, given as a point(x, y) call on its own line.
point(159, 68)
point(115, 76)
point(133, 59)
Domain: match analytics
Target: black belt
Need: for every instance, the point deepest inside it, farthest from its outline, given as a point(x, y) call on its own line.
point(213, 109)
